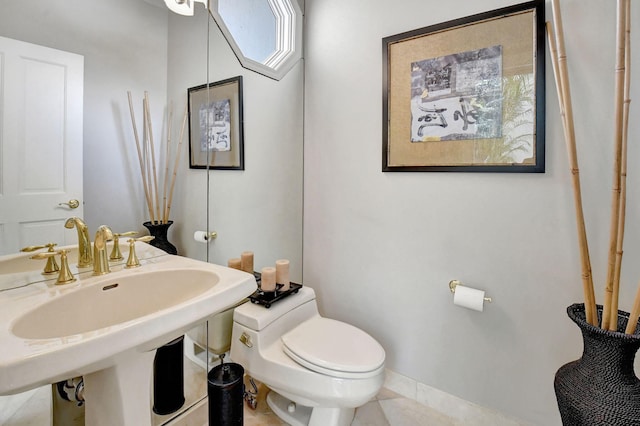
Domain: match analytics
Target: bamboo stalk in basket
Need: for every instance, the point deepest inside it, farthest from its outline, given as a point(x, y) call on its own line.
point(569, 131)
point(623, 183)
point(153, 158)
point(553, 52)
point(610, 312)
point(635, 313)
point(137, 139)
point(175, 166)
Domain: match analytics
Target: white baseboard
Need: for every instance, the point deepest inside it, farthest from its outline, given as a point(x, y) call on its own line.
point(456, 408)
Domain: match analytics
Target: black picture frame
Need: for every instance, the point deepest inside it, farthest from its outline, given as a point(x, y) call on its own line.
point(216, 125)
point(467, 95)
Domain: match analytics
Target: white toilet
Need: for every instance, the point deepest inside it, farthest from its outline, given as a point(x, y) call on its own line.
point(319, 370)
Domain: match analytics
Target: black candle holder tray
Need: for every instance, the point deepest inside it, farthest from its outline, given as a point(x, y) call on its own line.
point(268, 298)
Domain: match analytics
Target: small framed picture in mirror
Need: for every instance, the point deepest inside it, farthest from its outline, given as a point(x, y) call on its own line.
point(216, 139)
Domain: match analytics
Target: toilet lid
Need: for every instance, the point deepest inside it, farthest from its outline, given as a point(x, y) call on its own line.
point(334, 348)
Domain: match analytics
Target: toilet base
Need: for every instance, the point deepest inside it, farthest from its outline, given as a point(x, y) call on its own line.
point(302, 415)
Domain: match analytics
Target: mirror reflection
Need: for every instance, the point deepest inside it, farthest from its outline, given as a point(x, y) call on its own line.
point(125, 49)
point(141, 47)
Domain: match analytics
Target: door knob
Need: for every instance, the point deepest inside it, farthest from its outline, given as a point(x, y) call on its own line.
point(72, 204)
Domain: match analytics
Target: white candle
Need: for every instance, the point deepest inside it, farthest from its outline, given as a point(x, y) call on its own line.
point(235, 263)
point(268, 281)
point(247, 261)
point(282, 273)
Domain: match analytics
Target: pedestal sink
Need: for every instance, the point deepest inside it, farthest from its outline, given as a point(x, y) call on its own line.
point(107, 329)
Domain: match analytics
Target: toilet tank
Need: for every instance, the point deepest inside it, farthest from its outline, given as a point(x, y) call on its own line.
point(256, 317)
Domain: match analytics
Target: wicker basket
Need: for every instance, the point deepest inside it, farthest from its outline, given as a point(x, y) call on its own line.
point(600, 388)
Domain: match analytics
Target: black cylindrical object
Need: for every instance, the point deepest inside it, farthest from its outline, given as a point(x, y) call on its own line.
point(168, 377)
point(226, 392)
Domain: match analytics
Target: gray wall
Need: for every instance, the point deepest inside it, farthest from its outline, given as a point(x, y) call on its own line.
point(380, 248)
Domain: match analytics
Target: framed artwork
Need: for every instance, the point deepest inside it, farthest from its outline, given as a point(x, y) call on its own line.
point(216, 126)
point(467, 95)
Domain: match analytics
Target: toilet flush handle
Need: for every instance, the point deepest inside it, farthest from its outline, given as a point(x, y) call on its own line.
point(246, 339)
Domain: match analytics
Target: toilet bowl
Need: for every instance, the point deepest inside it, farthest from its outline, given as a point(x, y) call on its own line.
point(319, 370)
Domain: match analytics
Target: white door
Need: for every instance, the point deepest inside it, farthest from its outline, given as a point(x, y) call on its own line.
point(41, 92)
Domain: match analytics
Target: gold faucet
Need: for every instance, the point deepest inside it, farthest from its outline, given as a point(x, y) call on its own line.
point(85, 257)
point(133, 261)
point(100, 260)
point(115, 251)
point(65, 276)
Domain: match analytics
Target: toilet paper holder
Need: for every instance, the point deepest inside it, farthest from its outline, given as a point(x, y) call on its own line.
point(454, 283)
point(204, 236)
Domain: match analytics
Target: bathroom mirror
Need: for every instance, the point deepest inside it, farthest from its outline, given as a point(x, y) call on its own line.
point(265, 35)
point(123, 46)
point(141, 46)
point(138, 45)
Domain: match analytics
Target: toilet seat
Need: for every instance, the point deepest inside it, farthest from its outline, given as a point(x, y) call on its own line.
point(334, 348)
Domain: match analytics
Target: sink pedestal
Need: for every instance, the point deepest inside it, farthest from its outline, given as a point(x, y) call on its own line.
point(121, 394)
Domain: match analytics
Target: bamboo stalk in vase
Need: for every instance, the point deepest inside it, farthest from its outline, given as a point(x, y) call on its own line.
point(147, 161)
point(175, 166)
point(153, 159)
point(615, 294)
point(165, 217)
point(634, 315)
point(609, 311)
point(569, 131)
point(553, 53)
point(140, 161)
point(623, 188)
point(633, 318)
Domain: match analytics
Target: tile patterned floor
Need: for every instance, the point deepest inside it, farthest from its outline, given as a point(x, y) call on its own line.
point(387, 409)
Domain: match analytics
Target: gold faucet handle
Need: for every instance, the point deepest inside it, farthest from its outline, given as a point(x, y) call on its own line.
point(124, 234)
point(115, 251)
point(133, 261)
point(51, 266)
point(64, 276)
point(30, 249)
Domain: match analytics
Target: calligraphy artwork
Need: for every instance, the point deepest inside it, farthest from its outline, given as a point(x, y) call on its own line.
point(215, 126)
point(457, 96)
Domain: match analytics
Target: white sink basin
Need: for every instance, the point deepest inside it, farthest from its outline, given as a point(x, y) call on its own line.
point(113, 302)
point(107, 328)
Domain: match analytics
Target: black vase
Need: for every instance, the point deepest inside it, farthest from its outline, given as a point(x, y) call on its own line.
point(159, 231)
point(600, 388)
